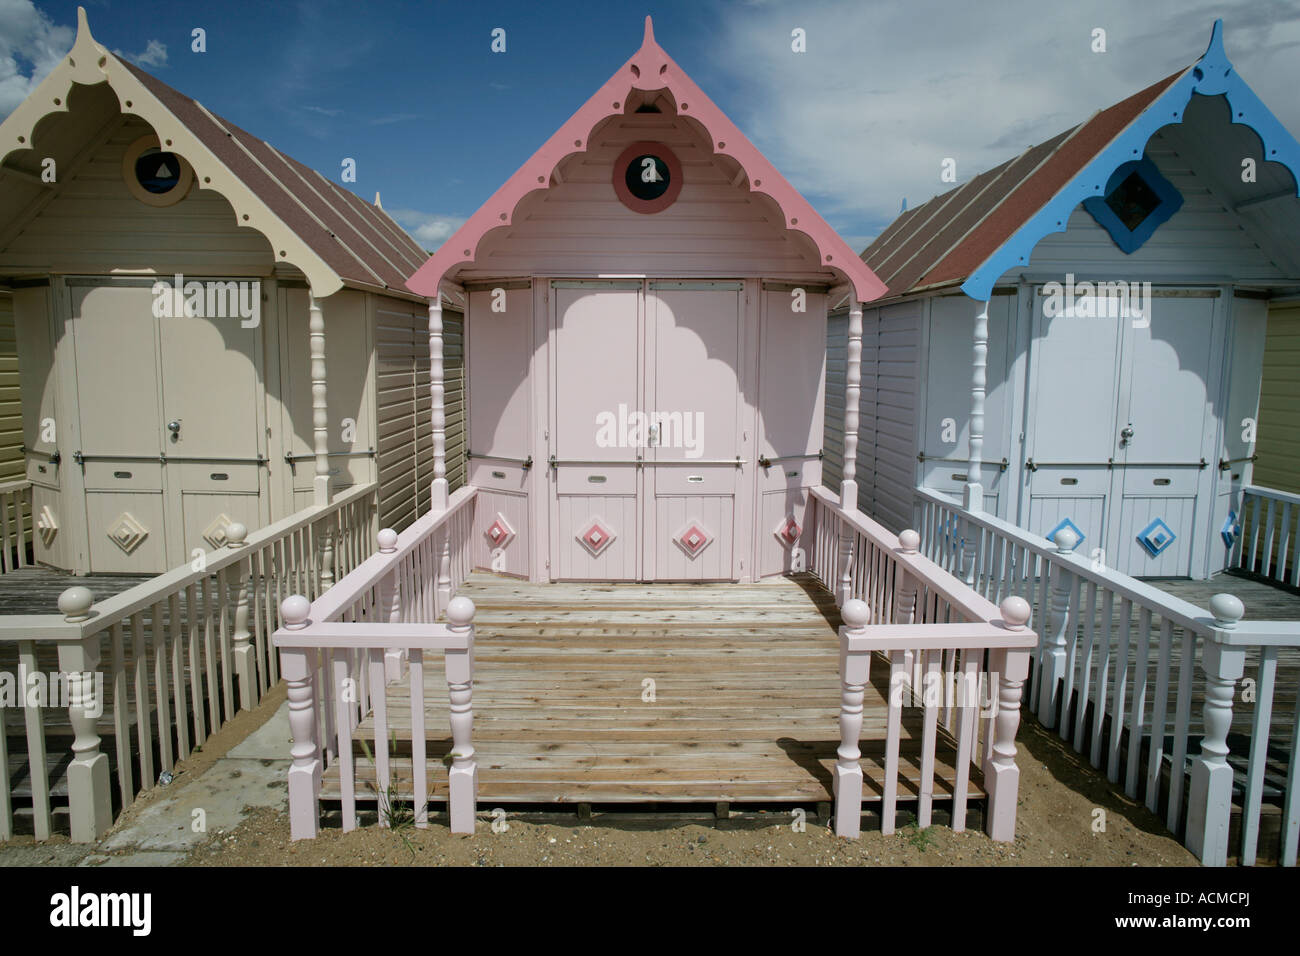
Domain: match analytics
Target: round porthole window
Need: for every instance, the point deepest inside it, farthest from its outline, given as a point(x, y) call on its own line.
point(155, 176)
point(647, 177)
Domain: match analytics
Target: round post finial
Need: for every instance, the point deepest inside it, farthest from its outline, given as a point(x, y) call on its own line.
point(1015, 612)
point(294, 611)
point(75, 603)
point(387, 539)
point(1065, 540)
point(236, 533)
point(909, 541)
point(1227, 610)
point(460, 611)
point(855, 613)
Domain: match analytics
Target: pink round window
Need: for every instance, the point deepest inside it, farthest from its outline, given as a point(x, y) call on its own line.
point(647, 177)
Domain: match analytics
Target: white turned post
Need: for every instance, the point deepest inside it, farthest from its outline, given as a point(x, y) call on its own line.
point(1001, 775)
point(844, 588)
point(905, 586)
point(319, 408)
point(462, 781)
point(438, 392)
point(1209, 808)
point(390, 606)
point(855, 672)
point(327, 539)
point(1052, 642)
point(90, 800)
point(973, 493)
point(242, 650)
point(298, 666)
point(852, 406)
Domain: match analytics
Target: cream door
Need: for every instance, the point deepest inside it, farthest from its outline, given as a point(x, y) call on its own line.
point(118, 406)
point(171, 438)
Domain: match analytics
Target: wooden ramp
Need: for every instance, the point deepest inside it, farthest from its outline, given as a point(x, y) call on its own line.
point(648, 694)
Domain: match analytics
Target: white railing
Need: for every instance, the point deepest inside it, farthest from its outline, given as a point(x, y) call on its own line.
point(344, 654)
point(15, 524)
point(1270, 535)
point(943, 643)
point(1116, 672)
point(158, 667)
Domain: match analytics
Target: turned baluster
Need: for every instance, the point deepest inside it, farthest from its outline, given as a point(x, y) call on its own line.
point(298, 665)
point(1052, 642)
point(905, 585)
point(444, 571)
point(1001, 775)
point(242, 651)
point(847, 538)
point(1209, 808)
point(90, 800)
point(855, 672)
point(390, 606)
point(463, 777)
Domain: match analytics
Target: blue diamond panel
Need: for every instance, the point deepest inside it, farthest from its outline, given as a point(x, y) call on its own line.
point(1230, 530)
point(1155, 537)
point(1067, 523)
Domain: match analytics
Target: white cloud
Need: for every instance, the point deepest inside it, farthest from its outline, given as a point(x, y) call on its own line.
point(154, 55)
point(30, 46)
point(887, 90)
point(429, 229)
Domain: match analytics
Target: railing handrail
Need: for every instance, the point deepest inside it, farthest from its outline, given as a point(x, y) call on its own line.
point(374, 568)
point(21, 484)
point(1259, 634)
point(1181, 612)
point(1275, 494)
point(933, 637)
point(350, 634)
point(148, 592)
point(956, 592)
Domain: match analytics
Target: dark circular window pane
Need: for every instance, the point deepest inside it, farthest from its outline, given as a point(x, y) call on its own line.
point(158, 172)
point(647, 177)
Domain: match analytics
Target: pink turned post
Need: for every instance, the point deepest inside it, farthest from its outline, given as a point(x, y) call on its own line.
point(437, 392)
point(90, 801)
point(849, 486)
point(1209, 807)
point(855, 671)
point(909, 542)
point(390, 606)
point(298, 665)
point(463, 778)
point(1001, 775)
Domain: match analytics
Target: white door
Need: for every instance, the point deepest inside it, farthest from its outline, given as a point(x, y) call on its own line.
point(644, 430)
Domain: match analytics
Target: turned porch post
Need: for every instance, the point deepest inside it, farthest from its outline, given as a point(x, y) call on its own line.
point(462, 781)
point(242, 650)
point(390, 605)
point(438, 392)
point(855, 672)
point(1001, 775)
point(973, 495)
point(90, 801)
point(1054, 640)
point(298, 666)
point(849, 485)
point(319, 409)
point(1209, 804)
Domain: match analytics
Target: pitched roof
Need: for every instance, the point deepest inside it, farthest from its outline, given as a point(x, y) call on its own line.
point(649, 69)
point(973, 234)
point(329, 233)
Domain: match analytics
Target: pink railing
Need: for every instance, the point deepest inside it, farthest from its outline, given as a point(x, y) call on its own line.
point(343, 654)
point(943, 643)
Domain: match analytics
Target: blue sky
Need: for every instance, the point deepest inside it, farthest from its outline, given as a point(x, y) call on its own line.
point(886, 90)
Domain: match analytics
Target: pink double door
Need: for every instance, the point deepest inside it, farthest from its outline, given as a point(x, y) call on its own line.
point(645, 430)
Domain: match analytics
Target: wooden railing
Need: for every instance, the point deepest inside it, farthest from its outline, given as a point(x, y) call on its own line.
point(1116, 673)
point(161, 666)
point(343, 653)
point(943, 643)
point(1269, 539)
point(15, 524)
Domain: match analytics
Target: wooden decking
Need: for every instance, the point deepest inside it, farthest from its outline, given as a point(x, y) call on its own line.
point(36, 590)
point(653, 694)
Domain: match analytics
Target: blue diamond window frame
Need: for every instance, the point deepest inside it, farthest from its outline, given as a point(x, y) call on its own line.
point(1131, 240)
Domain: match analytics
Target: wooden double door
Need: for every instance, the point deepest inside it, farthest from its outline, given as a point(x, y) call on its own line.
point(645, 430)
point(170, 435)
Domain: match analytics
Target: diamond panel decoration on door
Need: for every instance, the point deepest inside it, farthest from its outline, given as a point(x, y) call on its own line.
point(693, 539)
point(595, 536)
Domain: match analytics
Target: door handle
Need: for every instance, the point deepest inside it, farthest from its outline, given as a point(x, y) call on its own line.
point(1126, 434)
point(175, 428)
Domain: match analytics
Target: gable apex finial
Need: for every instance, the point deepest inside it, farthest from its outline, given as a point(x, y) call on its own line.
point(1213, 69)
point(649, 37)
point(1216, 42)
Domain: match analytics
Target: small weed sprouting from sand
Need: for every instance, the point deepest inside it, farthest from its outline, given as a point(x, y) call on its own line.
point(396, 812)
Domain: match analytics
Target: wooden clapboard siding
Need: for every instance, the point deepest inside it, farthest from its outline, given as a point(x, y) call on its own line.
point(745, 686)
point(1279, 402)
point(404, 408)
point(886, 458)
point(713, 229)
point(94, 225)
